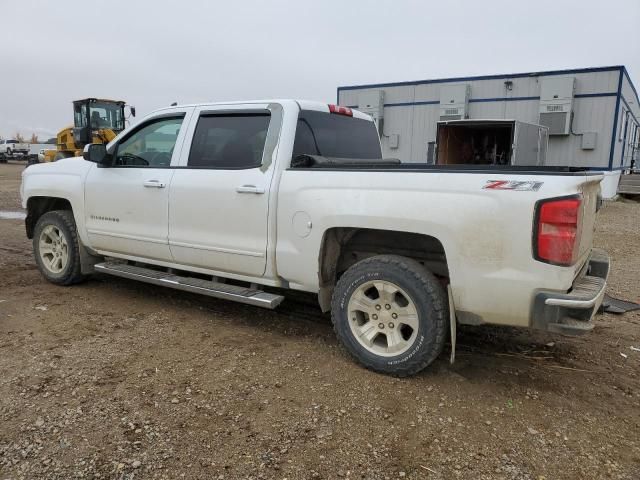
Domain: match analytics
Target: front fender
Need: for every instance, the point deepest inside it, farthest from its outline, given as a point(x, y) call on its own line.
point(64, 180)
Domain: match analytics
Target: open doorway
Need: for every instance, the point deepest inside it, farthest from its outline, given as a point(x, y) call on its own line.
point(475, 143)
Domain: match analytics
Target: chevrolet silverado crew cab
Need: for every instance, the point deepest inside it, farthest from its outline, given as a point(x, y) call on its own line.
point(242, 201)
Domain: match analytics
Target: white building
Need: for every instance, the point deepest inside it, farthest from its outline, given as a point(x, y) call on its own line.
point(593, 114)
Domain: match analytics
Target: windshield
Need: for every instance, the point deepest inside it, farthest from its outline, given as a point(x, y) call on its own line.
point(106, 115)
point(336, 136)
point(12, 141)
point(100, 115)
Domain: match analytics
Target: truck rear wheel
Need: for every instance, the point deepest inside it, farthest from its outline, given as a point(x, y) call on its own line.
point(55, 245)
point(391, 314)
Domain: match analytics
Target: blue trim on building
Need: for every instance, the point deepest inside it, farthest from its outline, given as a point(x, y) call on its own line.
point(495, 99)
point(502, 99)
point(485, 77)
point(591, 95)
point(410, 104)
point(615, 122)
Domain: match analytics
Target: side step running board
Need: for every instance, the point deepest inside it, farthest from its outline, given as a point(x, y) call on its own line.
point(249, 296)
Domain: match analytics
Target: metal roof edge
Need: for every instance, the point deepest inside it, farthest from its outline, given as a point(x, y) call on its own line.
point(490, 77)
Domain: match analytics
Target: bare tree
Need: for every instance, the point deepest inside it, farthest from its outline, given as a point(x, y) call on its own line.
point(18, 136)
point(34, 138)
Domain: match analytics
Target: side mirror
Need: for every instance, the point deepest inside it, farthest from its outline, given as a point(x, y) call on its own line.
point(96, 153)
point(133, 110)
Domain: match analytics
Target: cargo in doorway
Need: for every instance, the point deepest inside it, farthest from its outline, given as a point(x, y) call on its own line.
point(490, 142)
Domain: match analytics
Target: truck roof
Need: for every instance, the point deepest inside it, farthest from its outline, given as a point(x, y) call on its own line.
point(105, 100)
point(302, 104)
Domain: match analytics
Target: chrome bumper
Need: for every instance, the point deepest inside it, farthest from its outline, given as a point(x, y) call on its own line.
point(572, 313)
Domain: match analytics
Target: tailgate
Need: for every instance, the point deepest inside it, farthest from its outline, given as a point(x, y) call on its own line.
point(590, 205)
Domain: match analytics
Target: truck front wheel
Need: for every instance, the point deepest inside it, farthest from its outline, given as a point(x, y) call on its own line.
point(55, 245)
point(391, 314)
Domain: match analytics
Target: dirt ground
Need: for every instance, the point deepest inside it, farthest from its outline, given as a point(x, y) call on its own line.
point(116, 379)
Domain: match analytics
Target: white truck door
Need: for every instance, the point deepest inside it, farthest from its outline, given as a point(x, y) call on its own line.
point(127, 203)
point(219, 196)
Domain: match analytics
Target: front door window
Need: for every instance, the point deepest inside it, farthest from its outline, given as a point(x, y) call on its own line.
point(150, 146)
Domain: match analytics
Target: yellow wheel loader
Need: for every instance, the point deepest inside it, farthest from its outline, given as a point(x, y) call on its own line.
point(95, 120)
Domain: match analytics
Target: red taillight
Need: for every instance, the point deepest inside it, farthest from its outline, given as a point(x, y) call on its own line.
point(340, 110)
point(558, 231)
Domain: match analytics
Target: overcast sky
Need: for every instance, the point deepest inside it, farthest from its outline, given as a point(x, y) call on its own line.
point(153, 53)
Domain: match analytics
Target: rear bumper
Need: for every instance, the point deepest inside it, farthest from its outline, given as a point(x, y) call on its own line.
point(572, 313)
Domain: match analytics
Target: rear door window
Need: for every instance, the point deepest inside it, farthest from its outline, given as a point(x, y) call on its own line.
point(229, 141)
point(336, 136)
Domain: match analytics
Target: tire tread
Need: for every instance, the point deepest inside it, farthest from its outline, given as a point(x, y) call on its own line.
point(74, 274)
point(427, 281)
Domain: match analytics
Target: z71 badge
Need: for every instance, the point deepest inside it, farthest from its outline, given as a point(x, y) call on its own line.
point(512, 185)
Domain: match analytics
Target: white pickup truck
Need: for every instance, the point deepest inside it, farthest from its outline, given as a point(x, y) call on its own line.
point(242, 201)
point(9, 148)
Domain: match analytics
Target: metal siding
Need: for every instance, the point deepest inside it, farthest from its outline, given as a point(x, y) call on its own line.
point(525, 111)
point(424, 130)
point(398, 120)
point(590, 115)
point(629, 102)
point(348, 97)
point(392, 95)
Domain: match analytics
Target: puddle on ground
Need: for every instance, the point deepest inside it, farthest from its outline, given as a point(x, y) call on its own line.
point(5, 215)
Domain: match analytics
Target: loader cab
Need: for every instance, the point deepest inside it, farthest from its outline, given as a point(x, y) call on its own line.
point(91, 115)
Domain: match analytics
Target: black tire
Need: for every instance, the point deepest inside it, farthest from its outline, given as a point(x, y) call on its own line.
point(63, 221)
point(429, 300)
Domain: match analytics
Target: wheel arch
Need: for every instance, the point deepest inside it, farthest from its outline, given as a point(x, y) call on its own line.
point(342, 247)
point(39, 205)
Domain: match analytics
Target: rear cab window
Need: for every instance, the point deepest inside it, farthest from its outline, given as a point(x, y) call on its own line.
point(336, 136)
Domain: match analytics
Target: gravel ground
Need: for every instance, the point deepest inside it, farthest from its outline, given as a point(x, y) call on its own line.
point(115, 379)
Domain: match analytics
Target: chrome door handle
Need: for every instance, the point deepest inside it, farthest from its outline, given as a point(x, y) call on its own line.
point(250, 189)
point(154, 184)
